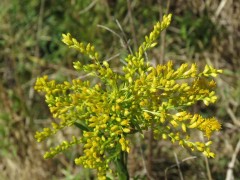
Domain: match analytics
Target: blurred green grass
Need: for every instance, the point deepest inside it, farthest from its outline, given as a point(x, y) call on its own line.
point(30, 43)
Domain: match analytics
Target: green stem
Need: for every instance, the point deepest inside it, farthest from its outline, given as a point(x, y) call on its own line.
point(121, 165)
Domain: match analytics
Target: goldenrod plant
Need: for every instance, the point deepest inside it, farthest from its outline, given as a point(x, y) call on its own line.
point(121, 104)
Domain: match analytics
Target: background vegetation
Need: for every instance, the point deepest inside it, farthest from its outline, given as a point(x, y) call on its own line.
point(30, 46)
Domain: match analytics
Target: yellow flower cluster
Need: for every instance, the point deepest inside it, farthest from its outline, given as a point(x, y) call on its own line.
point(141, 97)
point(62, 147)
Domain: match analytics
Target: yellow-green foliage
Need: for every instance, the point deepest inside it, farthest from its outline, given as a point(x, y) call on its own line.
point(140, 97)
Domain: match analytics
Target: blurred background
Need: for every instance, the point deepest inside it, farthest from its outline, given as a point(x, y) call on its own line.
point(202, 32)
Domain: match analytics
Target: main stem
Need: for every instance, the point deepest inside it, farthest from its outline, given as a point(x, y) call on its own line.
point(121, 165)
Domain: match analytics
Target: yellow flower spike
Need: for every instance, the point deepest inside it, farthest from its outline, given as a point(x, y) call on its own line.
point(55, 125)
point(164, 136)
point(103, 126)
point(189, 144)
point(114, 128)
point(194, 118)
point(125, 122)
point(126, 130)
point(67, 39)
point(117, 107)
point(87, 146)
point(130, 80)
point(153, 90)
point(211, 154)
point(146, 116)
point(208, 154)
point(208, 143)
point(162, 119)
point(174, 123)
point(142, 103)
point(200, 149)
point(92, 124)
point(87, 134)
point(119, 100)
point(113, 108)
point(112, 145)
point(184, 128)
point(177, 137)
point(193, 125)
point(124, 143)
point(184, 113)
point(181, 143)
point(103, 138)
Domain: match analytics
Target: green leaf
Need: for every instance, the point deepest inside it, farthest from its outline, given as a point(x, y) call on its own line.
point(81, 126)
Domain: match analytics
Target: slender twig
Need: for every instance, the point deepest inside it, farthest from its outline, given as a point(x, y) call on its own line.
point(132, 24)
point(233, 117)
point(208, 168)
point(143, 160)
point(124, 36)
point(163, 34)
point(206, 161)
point(178, 165)
point(37, 50)
point(229, 175)
point(39, 27)
point(122, 39)
point(112, 57)
point(175, 165)
point(92, 4)
point(150, 151)
point(220, 7)
point(110, 30)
